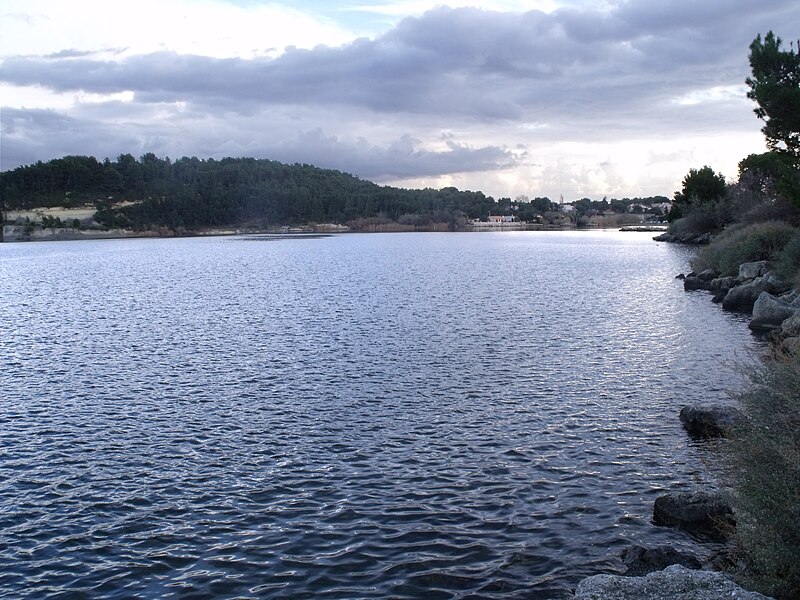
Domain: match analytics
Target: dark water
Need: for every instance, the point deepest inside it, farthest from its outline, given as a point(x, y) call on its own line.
point(362, 416)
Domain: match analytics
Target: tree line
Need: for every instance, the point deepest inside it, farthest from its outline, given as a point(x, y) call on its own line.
point(192, 193)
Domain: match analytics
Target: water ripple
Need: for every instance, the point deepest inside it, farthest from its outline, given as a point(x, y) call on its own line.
point(438, 416)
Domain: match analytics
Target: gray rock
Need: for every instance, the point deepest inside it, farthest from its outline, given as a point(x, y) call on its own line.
point(722, 283)
point(751, 270)
point(640, 560)
point(790, 296)
point(692, 283)
point(719, 296)
point(699, 281)
point(686, 238)
point(787, 339)
point(743, 297)
point(776, 286)
point(790, 345)
point(673, 582)
point(791, 326)
point(707, 275)
point(713, 420)
point(770, 312)
point(697, 512)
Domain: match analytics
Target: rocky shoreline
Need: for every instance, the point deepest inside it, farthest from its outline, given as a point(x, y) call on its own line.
point(773, 304)
point(685, 238)
point(663, 572)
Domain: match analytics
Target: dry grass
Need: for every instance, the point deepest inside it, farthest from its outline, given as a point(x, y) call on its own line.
point(740, 244)
point(764, 478)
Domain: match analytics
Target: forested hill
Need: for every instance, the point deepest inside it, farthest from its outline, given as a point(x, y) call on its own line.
point(193, 193)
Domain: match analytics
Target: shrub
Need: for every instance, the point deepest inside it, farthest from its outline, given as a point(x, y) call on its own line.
point(787, 266)
point(740, 244)
point(702, 218)
point(777, 210)
point(763, 477)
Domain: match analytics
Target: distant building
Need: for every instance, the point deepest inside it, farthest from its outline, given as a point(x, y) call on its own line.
point(566, 208)
point(501, 218)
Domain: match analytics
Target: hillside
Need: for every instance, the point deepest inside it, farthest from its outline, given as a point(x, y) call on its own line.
point(192, 193)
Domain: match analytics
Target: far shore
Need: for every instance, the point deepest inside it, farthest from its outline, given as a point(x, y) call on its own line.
point(19, 233)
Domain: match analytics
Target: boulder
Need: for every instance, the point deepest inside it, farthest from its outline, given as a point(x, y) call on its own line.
point(697, 512)
point(721, 286)
point(790, 297)
point(722, 283)
point(673, 582)
point(786, 340)
point(719, 296)
point(790, 346)
point(743, 297)
point(641, 561)
point(776, 286)
point(709, 421)
point(707, 275)
point(751, 270)
point(791, 326)
point(699, 281)
point(692, 283)
point(769, 312)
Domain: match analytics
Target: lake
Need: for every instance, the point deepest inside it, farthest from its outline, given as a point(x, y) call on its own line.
point(483, 415)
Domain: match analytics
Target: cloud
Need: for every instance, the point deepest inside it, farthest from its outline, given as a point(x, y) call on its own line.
point(31, 135)
point(217, 28)
point(401, 159)
point(605, 73)
point(490, 65)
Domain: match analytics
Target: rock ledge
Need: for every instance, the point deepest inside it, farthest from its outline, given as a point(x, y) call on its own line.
point(673, 582)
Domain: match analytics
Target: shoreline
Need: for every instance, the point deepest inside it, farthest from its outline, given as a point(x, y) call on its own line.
point(18, 234)
point(706, 509)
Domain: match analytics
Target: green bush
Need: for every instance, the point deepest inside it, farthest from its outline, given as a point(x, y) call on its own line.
point(763, 477)
point(740, 244)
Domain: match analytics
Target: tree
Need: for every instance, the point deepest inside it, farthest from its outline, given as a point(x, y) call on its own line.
point(775, 86)
point(700, 186)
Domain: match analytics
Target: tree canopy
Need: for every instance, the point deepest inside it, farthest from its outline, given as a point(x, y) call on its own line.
point(191, 193)
point(699, 186)
point(775, 87)
point(194, 193)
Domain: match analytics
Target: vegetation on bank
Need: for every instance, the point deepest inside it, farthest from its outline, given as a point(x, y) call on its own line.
point(764, 477)
point(768, 184)
point(191, 194)
point(154, 193)
point(774, 241)
point(757, 218)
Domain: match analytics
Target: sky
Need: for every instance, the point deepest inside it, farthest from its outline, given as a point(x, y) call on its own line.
point(572, 98)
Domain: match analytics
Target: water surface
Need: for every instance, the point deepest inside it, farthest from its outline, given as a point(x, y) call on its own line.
point(357, 416)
